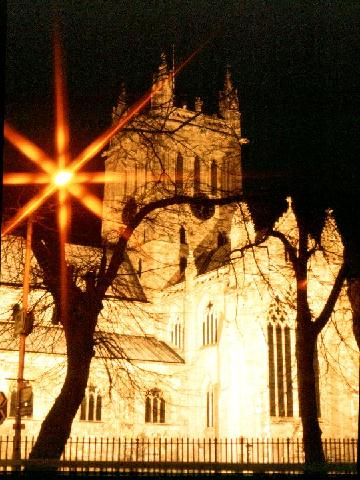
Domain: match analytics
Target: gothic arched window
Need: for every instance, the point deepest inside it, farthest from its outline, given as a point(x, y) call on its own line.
point(226, 176)
point(214, 180)
point(177, 332)
point(209, 326)
point(91, 406)
point(197, 175)
point(154, 407)
point(179, 174)
point(280, 357)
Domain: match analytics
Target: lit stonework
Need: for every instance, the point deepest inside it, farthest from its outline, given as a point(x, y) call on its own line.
point(211, 346)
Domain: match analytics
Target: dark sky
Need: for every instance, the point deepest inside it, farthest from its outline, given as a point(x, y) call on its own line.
point(295, 64)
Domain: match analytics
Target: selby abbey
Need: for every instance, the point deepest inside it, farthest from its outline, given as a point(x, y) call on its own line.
point(197, 334)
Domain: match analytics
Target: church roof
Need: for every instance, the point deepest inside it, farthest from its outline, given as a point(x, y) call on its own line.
point(178, 277)
point(213, 259)
point(126, 285)
point(205, 262)
point(51, 340)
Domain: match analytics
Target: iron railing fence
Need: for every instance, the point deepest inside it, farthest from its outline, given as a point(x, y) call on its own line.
point(111, 453)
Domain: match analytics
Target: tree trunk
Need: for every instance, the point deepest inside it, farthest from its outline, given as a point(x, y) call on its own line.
point(56, 427)
point(305, 352)
point(354, 297)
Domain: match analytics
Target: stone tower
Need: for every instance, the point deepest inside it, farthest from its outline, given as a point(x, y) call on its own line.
point(168, 151)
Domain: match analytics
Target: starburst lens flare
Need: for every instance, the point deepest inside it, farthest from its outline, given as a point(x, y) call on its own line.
point(61, 174)
point(63, 177)
point(58, 177)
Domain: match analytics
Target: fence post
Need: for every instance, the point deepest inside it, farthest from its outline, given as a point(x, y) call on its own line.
point(288, 449)
point(353, 448)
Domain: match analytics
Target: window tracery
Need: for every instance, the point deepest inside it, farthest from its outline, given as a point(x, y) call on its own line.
point(280, 359)
point(91, 406)
point(197, 175)
point(177, 332)
point(179, 174)
point(210, 326)
point(214, 179)
point(154, 406)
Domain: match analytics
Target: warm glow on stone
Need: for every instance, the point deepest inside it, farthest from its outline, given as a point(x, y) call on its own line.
point(63, 177)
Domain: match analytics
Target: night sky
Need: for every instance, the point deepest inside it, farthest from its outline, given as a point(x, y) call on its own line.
point(295, 65)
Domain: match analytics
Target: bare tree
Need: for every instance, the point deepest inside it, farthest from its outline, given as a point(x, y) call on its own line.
point(151, 150)
point(301, 245)
point(147, 145)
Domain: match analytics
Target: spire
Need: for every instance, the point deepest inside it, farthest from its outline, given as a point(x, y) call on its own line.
point(163, 87)
point(121, 103)
point(198, 104)
point(228, 86)
point(163, 68)
point(229, 101)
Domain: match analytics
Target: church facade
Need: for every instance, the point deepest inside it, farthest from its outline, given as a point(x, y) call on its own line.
point(202, 342)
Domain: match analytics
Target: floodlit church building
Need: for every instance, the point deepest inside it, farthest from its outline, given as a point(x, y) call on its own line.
point(197, 335)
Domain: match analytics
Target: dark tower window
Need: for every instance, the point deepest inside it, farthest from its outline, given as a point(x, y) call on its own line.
point(182, 264)
point(214, 178)
point(226, 175)
point(222, 239)
point(179, 174)
point(182, 234)
point(197, 175)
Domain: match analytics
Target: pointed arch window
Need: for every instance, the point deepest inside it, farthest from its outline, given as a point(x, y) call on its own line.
point(91, 406)
point(136, 178)
point(179, 174)
point(182, 259)
point(197, 175)
point(182, 235)
point(182, 264)
point(226, 175)
point(154, 406)
point(214, 179)
point(177, 332)
point(280, 357)
point(210, 326)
